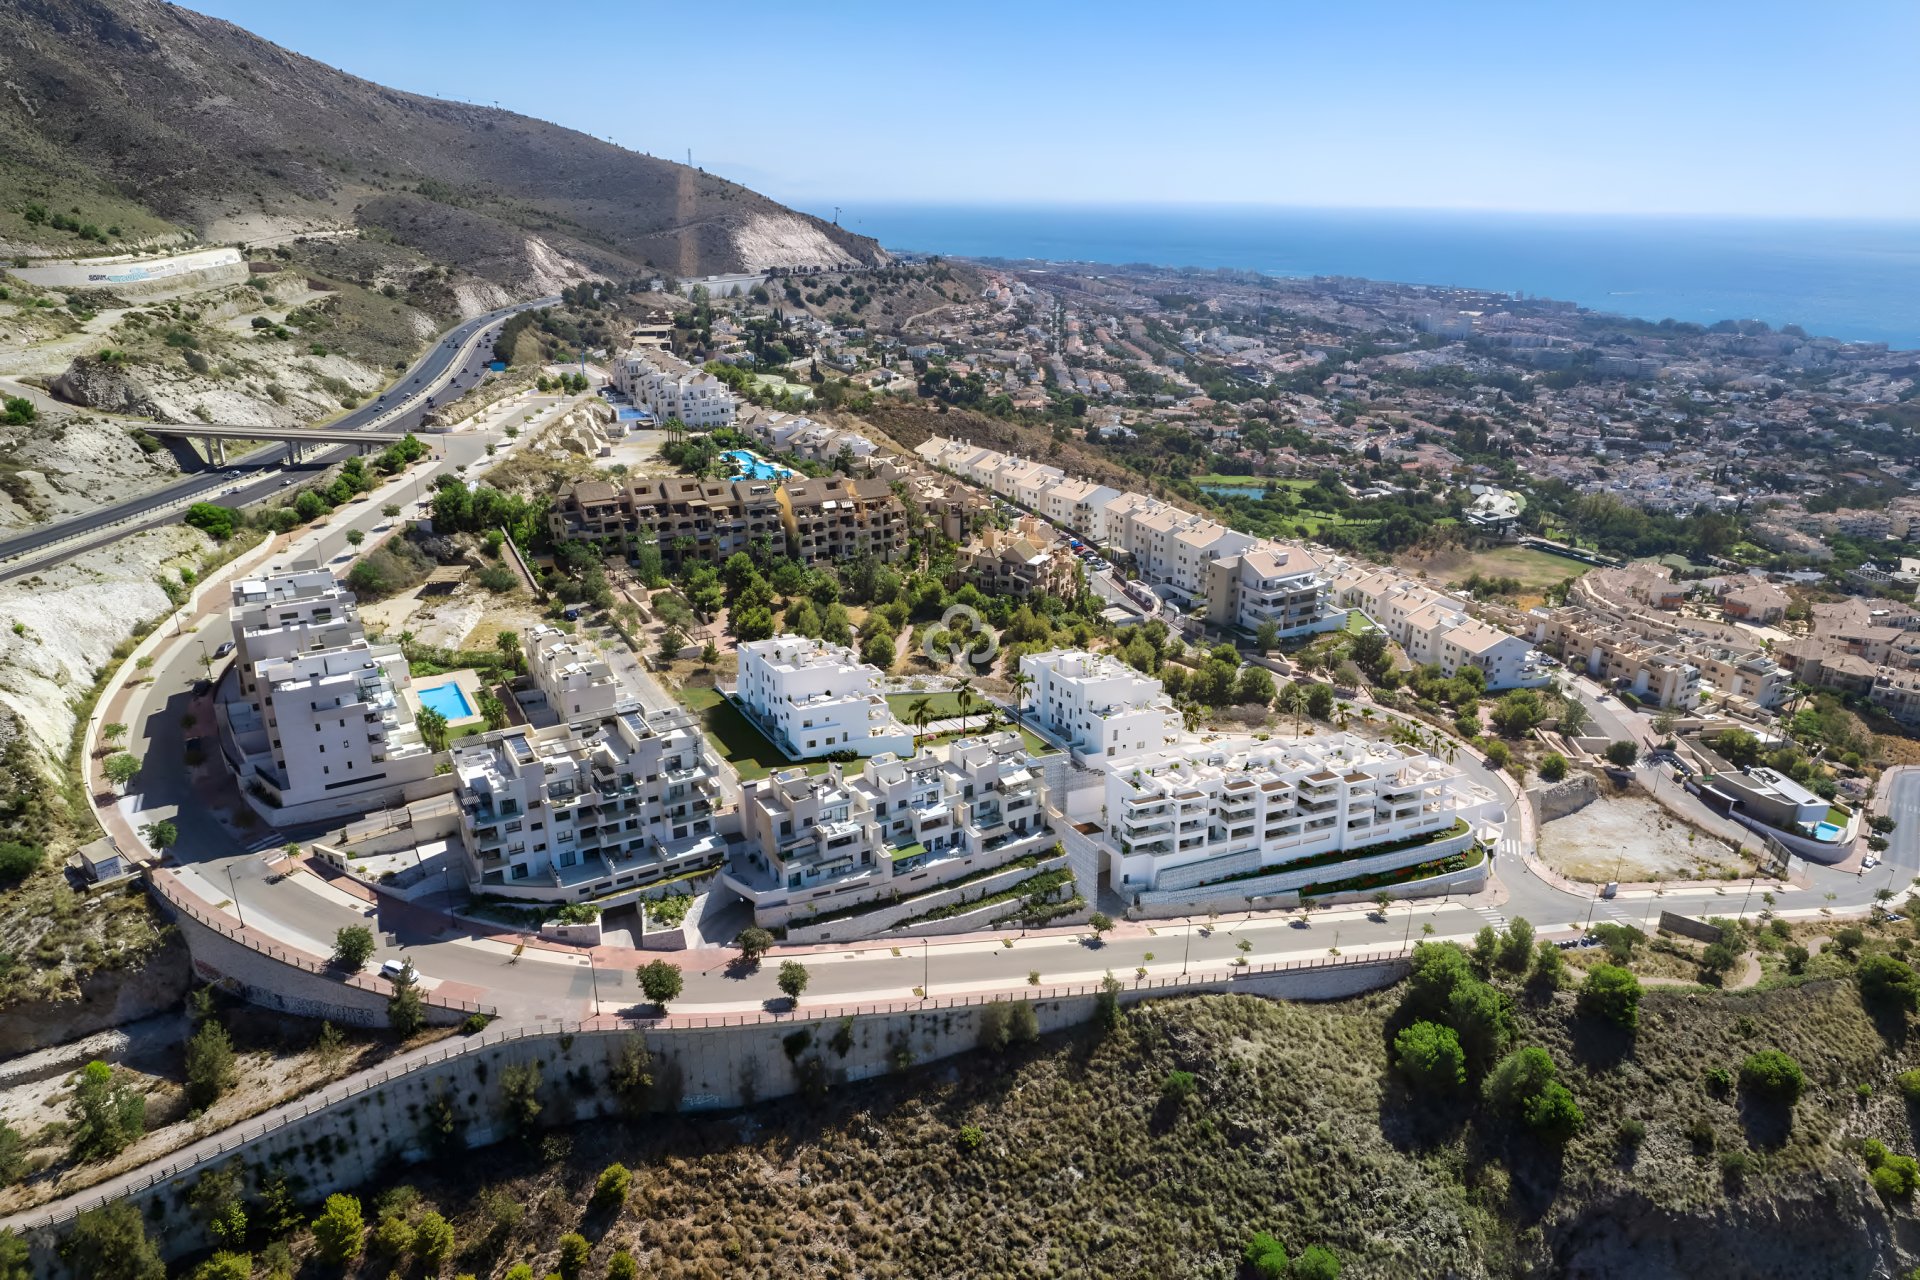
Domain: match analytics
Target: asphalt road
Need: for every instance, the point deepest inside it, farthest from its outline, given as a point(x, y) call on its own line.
point(455, 362)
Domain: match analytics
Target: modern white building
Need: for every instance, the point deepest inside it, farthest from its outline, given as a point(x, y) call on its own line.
point(312, 716)
point(816, 699)
point(669, 387)
point(826, 842)
point(596, 806)
point(1272, 583)
point(569, 675)
point(1099, 706)
point(1250, 812)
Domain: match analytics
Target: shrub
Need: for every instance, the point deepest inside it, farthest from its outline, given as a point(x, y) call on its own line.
point(621, 1266)
point(1266, 1257)
point(611, 1190)
point(1178, 1087)
point(1774, 1076)
point(340, 1230)
point(1526, 1083)
point(1892, 1176)
point(1887, 982)
point(574, 1251)
point(210, 1069)
point(432, 1243)
point(1553, 767)
point(1429, 1056)
point(353, 947)
point(1909, 1082)
point(1632, 1132)
point(1623, 753)
point(1316, 1262)
point(1612, 993)
point(18, 861)
point(971, 1138)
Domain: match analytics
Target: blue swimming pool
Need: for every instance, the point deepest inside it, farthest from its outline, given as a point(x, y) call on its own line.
point(1827, 833)
point(448, 700)
point(751, 466)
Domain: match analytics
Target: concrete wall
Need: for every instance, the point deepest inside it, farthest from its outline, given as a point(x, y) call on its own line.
point(276, 978)
point(1283, 881)
point(351, 1133)
point(1467, 880)
point(132, 276)
point(881, 918)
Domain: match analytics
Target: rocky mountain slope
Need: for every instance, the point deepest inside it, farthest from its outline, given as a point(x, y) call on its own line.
point(156, 123)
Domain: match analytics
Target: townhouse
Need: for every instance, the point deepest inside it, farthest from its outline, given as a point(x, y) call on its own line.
point(1100, 707)
point(589, 807)
point(816, 699)
point(815, 844)
point(1435, 628)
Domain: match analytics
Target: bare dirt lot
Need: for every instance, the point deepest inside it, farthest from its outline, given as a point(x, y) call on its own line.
point(1631, 838)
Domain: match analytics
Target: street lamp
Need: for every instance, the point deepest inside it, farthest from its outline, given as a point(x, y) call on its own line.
point(926, 970)
point(593, 975)
point(1187, 954)
point(233, 891)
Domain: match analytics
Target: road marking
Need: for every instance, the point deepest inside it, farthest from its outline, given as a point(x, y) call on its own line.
point(1491, 916)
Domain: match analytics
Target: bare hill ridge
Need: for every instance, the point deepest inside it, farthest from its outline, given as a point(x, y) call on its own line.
point(154, 120)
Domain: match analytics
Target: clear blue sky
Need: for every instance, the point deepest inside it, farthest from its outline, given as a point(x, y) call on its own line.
point(1758, 108)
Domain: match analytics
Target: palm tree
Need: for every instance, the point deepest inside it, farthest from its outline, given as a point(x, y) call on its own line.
point(1191, 714)
point(963, 695)
point(1019, 680)
point(920, 710)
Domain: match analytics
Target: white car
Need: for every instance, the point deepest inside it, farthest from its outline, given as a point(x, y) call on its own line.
point(392, 969)
point(1870, 862)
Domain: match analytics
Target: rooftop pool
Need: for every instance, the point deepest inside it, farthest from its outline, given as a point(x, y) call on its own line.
point(1827, 833)
point(448, 700)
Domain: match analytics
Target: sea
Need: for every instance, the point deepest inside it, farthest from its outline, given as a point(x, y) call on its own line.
point(1857, 281)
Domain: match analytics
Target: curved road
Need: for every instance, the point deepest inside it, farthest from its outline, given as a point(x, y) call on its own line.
point(457, 358)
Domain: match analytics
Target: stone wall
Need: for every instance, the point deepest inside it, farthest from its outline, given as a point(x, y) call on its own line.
point(352, 1133)
point(1466, 880)
point(1570, 795)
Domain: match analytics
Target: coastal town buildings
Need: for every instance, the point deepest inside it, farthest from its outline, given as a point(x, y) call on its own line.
point(1100, 707)
point(670, 388)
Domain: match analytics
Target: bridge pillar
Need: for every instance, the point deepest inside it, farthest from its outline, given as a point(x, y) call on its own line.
point(217, 450)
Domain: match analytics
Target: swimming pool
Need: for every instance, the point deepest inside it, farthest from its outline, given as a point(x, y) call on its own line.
point(448, 700)
point(1827, 833)
point(751, 466)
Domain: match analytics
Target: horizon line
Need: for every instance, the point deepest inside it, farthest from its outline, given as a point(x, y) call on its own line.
point(895, 202)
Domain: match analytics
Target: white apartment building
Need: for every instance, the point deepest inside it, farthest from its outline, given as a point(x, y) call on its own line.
point(312, 717)
point(1272, 583)
point(1099, 706)
point(669, 387)
point(593, 807)
point(817, 699)
point(820, 843)
point(1253, 811)
point(569, 675)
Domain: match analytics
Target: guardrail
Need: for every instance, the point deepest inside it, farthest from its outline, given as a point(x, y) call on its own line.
point(292, 1114)
point(175, 898)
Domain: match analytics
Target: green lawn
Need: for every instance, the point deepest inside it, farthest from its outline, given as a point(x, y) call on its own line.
point(1533, 569)
point(943, 705)
point(735, 737)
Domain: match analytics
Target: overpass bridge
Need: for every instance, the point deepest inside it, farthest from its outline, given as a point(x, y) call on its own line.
point(298, 439)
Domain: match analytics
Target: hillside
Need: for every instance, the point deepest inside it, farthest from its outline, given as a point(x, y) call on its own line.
point(1088, 1155)
point(147, 122)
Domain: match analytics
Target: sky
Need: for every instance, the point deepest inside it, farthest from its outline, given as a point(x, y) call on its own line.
point(1756, 108)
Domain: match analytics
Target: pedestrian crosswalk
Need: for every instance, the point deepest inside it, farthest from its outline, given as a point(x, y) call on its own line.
point(1618, 916)
point(1491, 916)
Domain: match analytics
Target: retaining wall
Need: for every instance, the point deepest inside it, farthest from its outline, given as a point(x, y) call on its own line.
point(881, 918)
point(1466, 880)
point(1574, 793)
point(1291, 882)
point(350, 1133)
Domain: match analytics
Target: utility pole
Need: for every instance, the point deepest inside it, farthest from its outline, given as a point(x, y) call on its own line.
point(233, 892)
point(926, 970)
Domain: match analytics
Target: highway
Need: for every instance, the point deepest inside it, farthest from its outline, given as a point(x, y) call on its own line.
point(454, 362)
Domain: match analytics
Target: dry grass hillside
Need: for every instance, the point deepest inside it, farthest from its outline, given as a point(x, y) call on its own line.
point(1092, 1155)
point(154, 121)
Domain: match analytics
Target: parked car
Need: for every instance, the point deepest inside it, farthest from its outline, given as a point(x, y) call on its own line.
point(226, 647)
